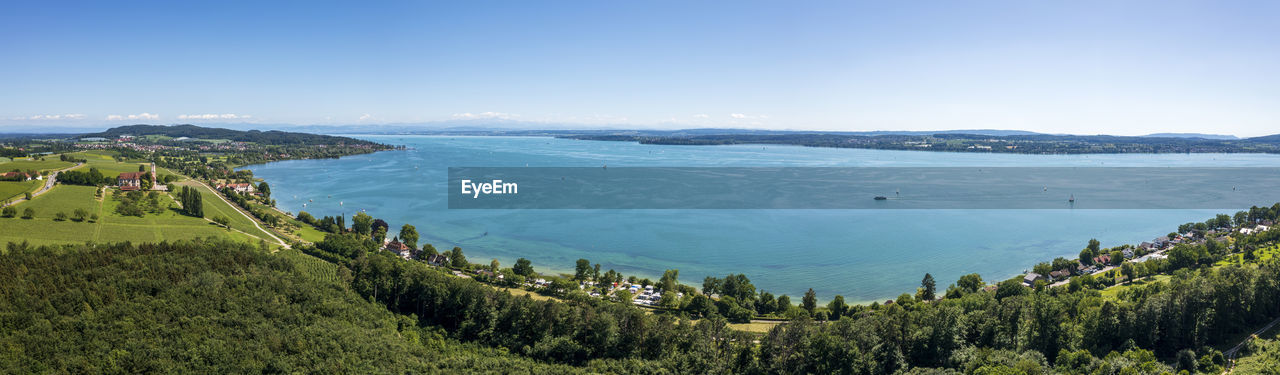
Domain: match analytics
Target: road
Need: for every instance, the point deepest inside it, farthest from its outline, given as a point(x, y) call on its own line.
point(246, 215)
point(48, 184)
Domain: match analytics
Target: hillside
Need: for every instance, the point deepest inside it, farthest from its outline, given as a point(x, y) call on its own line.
point(209, 307)
point(962, 142)
point(270, 137)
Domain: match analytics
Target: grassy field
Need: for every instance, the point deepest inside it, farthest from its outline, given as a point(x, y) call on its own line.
point(213, 207)
point(51, 163)
point(15, 189)
point(309, 233)
point(1114, 291)
point(95, 155)
point(754, 327)
point(110, 227)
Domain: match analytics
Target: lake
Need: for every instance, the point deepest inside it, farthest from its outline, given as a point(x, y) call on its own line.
point(864, 254)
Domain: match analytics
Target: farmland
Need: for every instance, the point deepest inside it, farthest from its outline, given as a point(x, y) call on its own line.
point(43, 229)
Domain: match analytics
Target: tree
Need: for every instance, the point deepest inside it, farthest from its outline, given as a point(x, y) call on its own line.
point(581, 269)
point(362, 223)
point(782, 304)
point(1094, 245)
point(710, 285)
point(970, 283)
point(493, 265)
point(837, 307)
point(142, 168)
point(408, 235)
point(26, 195)
point(60, 216)
point(928, 288)
point(456, 259)
point(1043, 268)
point(264, 189)
point(810, 301)
point(9, 212)
point(669, 280)
point(93, 217)
point(523, 267)
point(1086, 257)
point(379, 224)
point(79, 214)
point(379, 234)
point(701, 306)
point(28, 213)
point(223, 221)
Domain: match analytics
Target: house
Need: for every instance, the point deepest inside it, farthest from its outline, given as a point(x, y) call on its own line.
point(16, 176)
point(1146, 245)
point(1060, 274)
point(437, 260)
point(242, 187)
point(1031, 278)
point(404, 251)
point(131, 180)
point(1128, 253)
point(1102, 259)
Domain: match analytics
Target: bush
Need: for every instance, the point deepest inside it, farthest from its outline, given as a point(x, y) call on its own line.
point(28, 213)
point(60, 216)
point(9, 212)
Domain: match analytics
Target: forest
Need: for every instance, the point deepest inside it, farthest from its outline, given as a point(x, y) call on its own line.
point(210, 307)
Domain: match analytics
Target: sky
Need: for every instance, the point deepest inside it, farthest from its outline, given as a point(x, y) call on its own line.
point(1078, 67)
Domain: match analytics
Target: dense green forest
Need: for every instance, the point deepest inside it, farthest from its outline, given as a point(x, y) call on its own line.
point(210, 307)
point(1012, 328)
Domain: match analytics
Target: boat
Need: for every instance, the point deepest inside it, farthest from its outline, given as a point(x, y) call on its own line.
point(1072, 199)
point(881, 198)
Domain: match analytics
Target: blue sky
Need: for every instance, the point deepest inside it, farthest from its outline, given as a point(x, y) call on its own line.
point(1084, 67)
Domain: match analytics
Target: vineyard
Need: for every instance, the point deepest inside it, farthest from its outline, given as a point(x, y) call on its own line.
point(312, 267)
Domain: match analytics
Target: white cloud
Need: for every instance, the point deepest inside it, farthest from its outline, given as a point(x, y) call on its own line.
point(214, 116)
point(365, 117)
point(140, 116)
point(68, 116)
point(701, 115)
point(741, 116)
point(485, 115)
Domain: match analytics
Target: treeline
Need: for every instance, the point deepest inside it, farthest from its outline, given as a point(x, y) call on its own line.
point(192, 201)
point(209, 307)
point(92, 177)
point(1066, 330)
point(958, 142)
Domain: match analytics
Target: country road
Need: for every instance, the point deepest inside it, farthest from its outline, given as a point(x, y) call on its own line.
point(48, 184)
point(241, 211)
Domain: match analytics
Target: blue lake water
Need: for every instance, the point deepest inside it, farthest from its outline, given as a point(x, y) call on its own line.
point(862, 254)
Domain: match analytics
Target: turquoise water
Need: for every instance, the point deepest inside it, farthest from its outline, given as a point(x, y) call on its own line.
point(861, 254)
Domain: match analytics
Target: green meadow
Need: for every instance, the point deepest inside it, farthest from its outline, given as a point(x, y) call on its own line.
point(15, 189)
point(214, 206)
point(50, 163)
point(110, 227)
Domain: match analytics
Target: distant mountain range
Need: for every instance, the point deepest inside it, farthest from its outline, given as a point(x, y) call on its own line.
point(1192, 135)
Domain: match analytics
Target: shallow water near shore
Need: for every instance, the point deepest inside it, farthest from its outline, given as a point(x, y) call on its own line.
point(865, 255)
